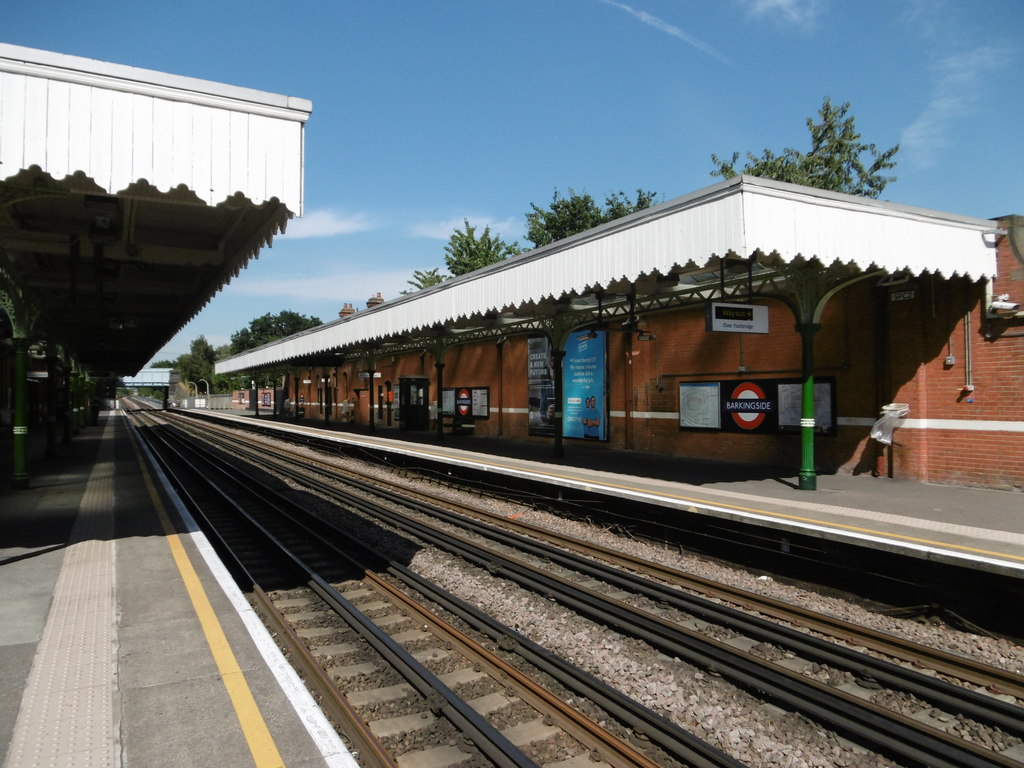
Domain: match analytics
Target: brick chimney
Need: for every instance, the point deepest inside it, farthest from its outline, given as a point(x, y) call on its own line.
point(373, 301)
point(347, 310)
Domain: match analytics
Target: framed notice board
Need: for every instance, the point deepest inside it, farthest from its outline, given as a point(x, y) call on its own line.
point(466, 402)
point(699, 406)
point(755, 405)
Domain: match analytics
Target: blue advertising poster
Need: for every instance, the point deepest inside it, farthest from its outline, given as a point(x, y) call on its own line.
point(583, 382)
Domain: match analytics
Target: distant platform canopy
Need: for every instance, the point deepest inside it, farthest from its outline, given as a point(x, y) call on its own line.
point(152, 377)
point(129, 198)
point(744, 237)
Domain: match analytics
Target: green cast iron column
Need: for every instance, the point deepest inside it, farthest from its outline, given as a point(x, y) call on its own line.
point(371, 369)
point(19, 478)
point(66, 405)
point(440, 351)
point(52, 363)
point(813, 285)
point(80, 381)
point(808, 477)
point(327, 397)
point(557, 358)
point(439, 366)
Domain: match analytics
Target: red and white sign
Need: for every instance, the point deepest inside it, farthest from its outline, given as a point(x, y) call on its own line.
point(463, 402)
point(748, 405)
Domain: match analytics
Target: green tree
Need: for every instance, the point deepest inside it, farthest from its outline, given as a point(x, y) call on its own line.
point(269, 327)
point(618, 205)
point(577, 213)
point(262, 330)
point(421, 279)
point(836, 160)
point(197, 364)
point(466, 252)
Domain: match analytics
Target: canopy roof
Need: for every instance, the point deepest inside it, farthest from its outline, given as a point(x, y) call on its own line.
point(710, 243)
point(129, 198)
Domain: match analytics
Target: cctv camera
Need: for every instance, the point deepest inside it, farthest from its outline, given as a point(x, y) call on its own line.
point(1002, 305)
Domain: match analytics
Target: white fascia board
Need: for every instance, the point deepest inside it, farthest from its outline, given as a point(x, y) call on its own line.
point(741, 215)
point(794, 221)
point(76, 69)
point(120, 124)
point(695, 227)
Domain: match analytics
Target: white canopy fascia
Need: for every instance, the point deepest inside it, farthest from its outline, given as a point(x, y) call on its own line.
point(742, 216)
point(152, 377)
point(118, 124)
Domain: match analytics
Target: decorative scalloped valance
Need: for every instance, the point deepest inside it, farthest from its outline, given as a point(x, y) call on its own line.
point(744, 216)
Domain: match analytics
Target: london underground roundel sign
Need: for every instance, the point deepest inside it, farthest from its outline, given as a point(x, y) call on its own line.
point(463, 402)
point(748, 405)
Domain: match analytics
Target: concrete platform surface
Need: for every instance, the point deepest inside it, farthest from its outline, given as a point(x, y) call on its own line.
point(122, 640)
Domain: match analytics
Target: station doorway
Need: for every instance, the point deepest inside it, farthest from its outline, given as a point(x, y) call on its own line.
point(414, 403)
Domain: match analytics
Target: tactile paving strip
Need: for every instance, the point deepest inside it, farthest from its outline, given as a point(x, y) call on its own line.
point(66, 718)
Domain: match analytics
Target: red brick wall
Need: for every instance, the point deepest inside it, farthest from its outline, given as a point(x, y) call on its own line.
point(881, 343)
point(989, 355)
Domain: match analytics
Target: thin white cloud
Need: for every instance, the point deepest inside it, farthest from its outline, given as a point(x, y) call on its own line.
point(928, 18)
point(442, 230)
point(802, 14)
point(327, 223)
point(354, 286)
point(957, 94)
point(669, 29)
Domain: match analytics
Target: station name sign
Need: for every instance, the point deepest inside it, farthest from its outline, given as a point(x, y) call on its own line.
point(736, 318)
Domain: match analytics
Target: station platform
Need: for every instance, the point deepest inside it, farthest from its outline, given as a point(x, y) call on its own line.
point(965, 527)
point(123, 641)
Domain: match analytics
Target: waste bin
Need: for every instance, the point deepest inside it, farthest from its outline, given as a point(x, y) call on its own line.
point(892, 414)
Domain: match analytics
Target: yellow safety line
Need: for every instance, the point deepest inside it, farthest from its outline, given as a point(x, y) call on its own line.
point(726, 506)
point(254, 728)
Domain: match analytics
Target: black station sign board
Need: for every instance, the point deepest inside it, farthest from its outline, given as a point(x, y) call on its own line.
point(736, 318)
point(754, 405)
point(749, 405)
point(466, 402)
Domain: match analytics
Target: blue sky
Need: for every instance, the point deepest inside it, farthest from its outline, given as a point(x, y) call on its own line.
point(429, 113)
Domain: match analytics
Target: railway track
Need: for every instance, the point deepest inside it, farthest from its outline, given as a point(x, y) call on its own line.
point(663, 614)
point(416, 687)
point(959, 667)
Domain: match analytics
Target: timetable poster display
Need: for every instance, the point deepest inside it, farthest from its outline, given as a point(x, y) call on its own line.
point(480, 402)
point(448, 401)
point(755, 405)
point(540, 376)
point(583, 382)
point(699, 406)
point(791, 405)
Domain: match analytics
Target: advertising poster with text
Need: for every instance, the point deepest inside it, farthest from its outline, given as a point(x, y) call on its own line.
point(583, 380)
point(541, 379)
